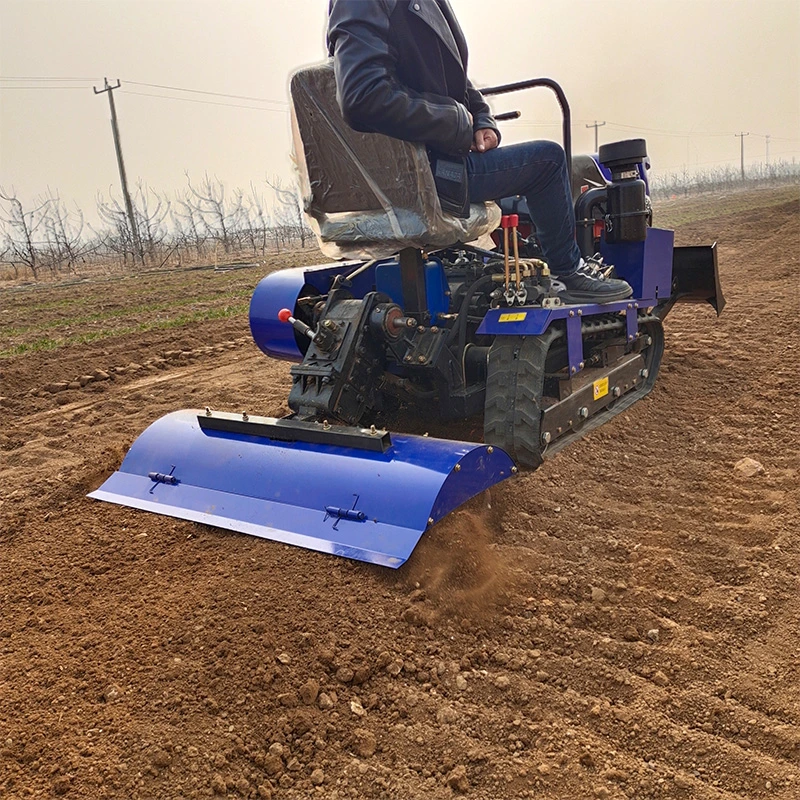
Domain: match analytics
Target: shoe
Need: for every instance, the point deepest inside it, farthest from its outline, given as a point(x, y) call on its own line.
point(592, 283)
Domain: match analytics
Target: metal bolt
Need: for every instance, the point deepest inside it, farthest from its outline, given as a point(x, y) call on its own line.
point(435, 329)
point(558, 429)
point(648, 340)
point(327, 324)
point(430, 520)
point(326, 426)
point(572, 313)
point(514, 470)
point(582, 364)
point(244, 416)
point(457, 468)
point(421, 359)
point(546, 437)
point(573, 370)
point(208, 411)
point(644, 372)
point(407, 358)
point(372, 430)
point(616, 392)
point(580, 312)
point(421, 328)
point(583, 412)
point(490, 449)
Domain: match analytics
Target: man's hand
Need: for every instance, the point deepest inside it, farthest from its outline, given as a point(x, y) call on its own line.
point(484, 139)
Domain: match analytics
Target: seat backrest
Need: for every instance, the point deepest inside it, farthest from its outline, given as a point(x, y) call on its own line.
point(366, 194)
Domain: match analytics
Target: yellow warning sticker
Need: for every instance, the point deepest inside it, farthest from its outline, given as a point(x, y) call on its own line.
point(600, 388)
point(517, 317)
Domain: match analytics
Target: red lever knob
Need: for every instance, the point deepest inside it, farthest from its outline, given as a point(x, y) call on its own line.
point(513, 220)
point(505, 221)
point(284, 315)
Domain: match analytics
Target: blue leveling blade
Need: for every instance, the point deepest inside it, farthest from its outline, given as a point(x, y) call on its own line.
point(350, 492)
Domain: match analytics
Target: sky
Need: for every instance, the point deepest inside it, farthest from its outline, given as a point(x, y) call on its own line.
point(204, 83)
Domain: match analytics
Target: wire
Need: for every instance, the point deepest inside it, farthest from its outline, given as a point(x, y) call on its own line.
point(666, 132)
point(281, 104)
point(6, 78)
point(7, 88)
point(215, 94)
point(204, 102)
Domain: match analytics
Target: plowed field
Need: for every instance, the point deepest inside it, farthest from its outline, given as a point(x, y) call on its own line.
point(622, 623)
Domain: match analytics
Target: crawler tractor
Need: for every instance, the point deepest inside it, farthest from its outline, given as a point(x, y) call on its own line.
point(428, 318)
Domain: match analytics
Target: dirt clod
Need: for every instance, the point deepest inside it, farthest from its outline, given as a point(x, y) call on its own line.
point(364, 742)
point(748, 467)
point(309, 691)
point(317, 777)
point(457, 779)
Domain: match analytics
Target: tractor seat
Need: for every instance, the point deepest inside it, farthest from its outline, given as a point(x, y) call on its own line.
point(367, 195)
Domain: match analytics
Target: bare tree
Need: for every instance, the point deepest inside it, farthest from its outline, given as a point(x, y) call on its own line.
point(149, 219)
point(188, 225)
point(221, 218)
point(63, 235)
point(119, 238)
point(20, 229)
point(257, 226)
point(289, 213)
point(149, 211)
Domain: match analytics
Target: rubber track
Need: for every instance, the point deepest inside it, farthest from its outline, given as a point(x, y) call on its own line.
point(514, 384)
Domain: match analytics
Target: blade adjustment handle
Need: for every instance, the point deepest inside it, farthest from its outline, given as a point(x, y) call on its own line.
point(323, 338)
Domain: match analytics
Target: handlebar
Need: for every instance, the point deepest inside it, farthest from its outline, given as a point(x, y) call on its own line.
point(548, 83)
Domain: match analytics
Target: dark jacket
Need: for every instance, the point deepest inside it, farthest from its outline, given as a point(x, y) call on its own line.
point(401, 70)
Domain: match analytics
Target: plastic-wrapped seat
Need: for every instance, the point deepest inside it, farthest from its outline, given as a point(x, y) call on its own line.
point(367, 195)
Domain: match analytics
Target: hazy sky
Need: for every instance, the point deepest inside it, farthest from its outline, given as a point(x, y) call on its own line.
point(685, 74)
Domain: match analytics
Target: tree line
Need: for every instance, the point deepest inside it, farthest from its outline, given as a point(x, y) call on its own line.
point(669, 184)
point(47, 238)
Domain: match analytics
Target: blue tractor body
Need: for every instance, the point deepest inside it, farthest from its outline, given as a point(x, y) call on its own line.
point(438, 336)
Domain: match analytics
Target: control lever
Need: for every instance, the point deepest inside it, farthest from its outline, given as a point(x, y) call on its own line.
point(322, 337)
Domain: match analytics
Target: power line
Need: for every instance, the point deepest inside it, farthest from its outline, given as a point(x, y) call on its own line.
point(27, 88)
point(8, 78)
point(280, 103)
point(666, 132)
point(204, 102)
point(215, 94)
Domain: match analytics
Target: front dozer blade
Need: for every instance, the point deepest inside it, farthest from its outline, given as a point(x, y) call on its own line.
point(351, 492)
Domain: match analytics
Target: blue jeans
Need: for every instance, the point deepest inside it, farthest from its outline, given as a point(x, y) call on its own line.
point(537, 170)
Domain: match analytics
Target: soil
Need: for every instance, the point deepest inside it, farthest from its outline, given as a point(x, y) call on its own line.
point(622, 623)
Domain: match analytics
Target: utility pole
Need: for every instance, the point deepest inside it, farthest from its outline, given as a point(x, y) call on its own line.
point(137, 245)
point(741, 137)
point(596, 125)
point(767, 138)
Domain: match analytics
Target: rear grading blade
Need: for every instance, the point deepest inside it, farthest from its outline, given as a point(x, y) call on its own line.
point(346, 491)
